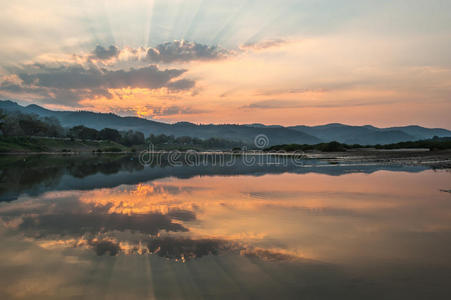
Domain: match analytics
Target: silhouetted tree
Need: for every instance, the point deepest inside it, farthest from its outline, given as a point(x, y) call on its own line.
point(110, 135)
point(84, 133)
point(130, 138)
point(18, 124)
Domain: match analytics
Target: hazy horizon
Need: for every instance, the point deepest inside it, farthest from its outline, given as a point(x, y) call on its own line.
point(238, 123)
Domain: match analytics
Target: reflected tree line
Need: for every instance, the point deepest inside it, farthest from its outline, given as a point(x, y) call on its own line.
point(21, 173)
point(35, 174)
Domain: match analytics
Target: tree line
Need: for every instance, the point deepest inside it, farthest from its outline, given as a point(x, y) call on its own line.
point(16, 124)
point(436, 143)
point(163, 141)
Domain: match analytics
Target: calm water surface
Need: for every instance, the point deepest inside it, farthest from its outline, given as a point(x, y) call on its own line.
point(109, 228)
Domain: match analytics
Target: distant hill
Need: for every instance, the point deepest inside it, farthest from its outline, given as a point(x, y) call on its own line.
point(99, 121)
point(365, 135)
point(370, 135)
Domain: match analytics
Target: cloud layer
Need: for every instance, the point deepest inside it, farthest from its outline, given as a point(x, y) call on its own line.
point(105, 53)
point(75, 82)
point(105, 68)
point(184, 51)
point(177, 51)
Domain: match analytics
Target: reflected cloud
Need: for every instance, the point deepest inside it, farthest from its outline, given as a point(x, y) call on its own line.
point(70, 224)
point(269, 255)
point(178, 215)
point(105, 247)
point(143, 199)
point(175, 248)
point(183, 249)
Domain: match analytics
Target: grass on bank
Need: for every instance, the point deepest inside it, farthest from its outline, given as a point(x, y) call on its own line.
point(65, 145)
point(431, 144)
point(35, 144)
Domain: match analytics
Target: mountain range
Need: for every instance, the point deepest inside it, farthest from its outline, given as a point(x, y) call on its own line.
point(300, 134)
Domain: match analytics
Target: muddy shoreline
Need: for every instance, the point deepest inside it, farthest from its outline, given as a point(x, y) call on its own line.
point(433, 159)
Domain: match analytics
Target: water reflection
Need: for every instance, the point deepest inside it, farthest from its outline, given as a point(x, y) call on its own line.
point(34, 175)
point(368, 233)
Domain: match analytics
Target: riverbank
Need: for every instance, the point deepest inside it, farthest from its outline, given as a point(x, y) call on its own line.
point(42, 145)
point(440, 159)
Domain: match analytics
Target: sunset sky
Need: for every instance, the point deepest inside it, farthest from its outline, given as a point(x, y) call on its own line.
point(285, 62)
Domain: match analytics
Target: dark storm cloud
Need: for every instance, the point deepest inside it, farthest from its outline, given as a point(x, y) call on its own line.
point(52, 95)
point(102, 70)
point(181, 85)
point(69, 84)
point(183, 51)
point(148, 77)
point(63, 77)
point(77, 77)
point(105, 53)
